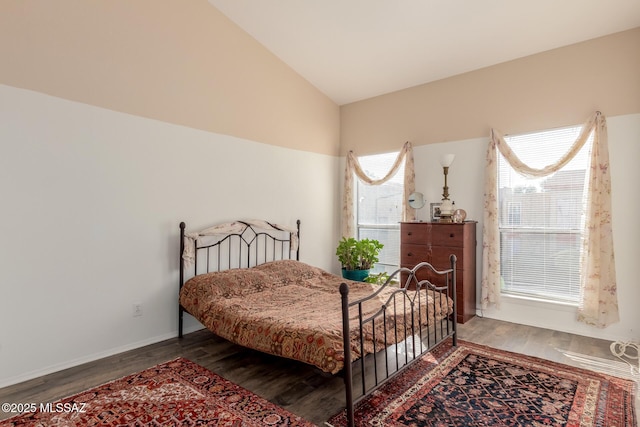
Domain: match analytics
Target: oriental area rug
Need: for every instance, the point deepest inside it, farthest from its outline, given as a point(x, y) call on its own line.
point(475, 385)
point(176, 393)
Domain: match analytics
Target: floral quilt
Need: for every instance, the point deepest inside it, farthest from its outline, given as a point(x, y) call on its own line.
point(290, 309)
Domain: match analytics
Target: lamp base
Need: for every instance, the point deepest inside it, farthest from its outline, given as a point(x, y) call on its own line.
point(446, 211)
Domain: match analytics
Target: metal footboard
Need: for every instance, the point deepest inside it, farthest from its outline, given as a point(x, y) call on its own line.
point(419, 335)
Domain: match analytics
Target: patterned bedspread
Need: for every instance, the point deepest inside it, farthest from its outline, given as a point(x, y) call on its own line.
point(291, 309)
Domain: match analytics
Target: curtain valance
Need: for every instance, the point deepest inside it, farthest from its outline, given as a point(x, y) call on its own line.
point(353, 168)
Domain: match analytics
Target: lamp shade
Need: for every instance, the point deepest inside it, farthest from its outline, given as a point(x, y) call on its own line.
point(446, 160)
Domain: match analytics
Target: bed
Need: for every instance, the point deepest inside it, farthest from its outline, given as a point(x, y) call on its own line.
point(243, 280)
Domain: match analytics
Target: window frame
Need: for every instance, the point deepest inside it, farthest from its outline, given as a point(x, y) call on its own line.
point(392, 227)
point(567, 233)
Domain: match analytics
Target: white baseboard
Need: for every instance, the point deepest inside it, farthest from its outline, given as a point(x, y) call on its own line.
point(93, 357)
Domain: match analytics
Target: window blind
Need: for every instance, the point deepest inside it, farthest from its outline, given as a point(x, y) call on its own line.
point(541, 219)
point(379, 208)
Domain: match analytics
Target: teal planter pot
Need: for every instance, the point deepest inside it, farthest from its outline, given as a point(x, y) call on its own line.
point(356, 275)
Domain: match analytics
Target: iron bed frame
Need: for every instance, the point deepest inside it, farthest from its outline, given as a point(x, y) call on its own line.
point(257, 246)
point(263, 243)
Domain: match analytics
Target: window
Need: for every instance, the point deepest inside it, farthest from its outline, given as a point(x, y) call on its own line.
point(540, 220)
point(379, 208)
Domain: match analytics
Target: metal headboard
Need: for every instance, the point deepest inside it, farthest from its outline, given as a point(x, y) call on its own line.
point(251, 246)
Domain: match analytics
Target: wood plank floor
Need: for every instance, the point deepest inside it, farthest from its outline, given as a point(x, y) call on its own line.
point(297, 387)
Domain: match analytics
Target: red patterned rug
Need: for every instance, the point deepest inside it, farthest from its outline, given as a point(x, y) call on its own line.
point(474, 385)
point(176, 393)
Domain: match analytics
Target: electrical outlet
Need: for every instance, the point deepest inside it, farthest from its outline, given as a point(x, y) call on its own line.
point(137, 309)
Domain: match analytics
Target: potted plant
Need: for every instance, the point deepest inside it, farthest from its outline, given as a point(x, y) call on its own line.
point(379, 278)
point(357, 257)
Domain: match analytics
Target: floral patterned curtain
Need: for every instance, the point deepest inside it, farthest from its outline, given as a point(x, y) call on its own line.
point(598, 298)
point(353, 167)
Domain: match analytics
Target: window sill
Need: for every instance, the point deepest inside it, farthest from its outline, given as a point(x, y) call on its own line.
point(532, 301)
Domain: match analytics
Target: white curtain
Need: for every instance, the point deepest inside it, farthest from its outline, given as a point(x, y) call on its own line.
point(598, 298)
point(353, 168)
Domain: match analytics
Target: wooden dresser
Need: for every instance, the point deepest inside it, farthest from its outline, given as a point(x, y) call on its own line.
point(434, 242)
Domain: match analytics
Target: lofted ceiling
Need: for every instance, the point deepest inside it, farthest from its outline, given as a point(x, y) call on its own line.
point(357, 49)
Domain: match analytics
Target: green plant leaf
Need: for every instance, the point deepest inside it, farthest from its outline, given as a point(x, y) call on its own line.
point(358, 254)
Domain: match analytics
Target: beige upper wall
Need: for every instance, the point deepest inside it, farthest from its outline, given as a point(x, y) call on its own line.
point(186, 63)
point(555, 88)
point(174, 61)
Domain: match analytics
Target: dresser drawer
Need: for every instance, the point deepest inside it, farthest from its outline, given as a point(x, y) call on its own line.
point(415, 233)
point(440, 257)
point(411, 254)
point(447, 235)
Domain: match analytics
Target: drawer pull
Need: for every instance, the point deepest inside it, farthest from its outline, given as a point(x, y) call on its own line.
point(452, 235)
point(409, 233)
point(410, 254)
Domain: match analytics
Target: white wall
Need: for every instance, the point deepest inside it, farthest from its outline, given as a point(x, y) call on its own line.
point(465, 181)
point(91, 200)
